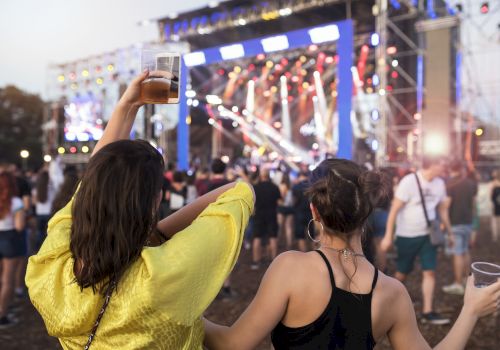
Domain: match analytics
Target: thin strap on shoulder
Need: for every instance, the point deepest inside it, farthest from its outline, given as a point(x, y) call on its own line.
point(330, 271)
point(375, 278)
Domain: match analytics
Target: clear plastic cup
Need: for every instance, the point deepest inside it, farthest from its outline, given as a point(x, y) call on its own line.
point(485, 274)
point(162, 84)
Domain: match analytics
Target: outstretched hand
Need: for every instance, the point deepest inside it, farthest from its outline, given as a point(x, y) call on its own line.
point(132, 96)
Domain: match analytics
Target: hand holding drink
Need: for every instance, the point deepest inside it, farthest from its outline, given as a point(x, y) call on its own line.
point(162, 83)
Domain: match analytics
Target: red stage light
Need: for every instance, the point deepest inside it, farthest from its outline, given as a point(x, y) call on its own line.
point(295, 78)
point(336, 58)
point(321, 56)
point(289, 87)
point(288, 75)
point(221, 71)
point(389, 88)
point(394, 74)
point(278, 67)
point(261, 56)
point(329, 60)
point(364, 48)
point(255, 78)
point(284, 61)
point(391, 50)
point(369, 81)
point(251, 67)
point(290, 98)
point(72, 149)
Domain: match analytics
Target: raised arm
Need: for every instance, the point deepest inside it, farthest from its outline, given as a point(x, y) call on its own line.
point(185, 216)
point(123, 116)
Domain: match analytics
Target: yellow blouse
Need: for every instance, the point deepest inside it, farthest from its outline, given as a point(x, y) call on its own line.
point(160, 299)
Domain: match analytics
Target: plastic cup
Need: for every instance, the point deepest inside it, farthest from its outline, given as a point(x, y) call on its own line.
point(485, 274)
point(162, 84)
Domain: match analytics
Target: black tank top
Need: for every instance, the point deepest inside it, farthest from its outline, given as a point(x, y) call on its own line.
point(345, 324)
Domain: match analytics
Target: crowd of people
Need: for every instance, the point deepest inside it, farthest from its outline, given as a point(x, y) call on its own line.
point(142, 251)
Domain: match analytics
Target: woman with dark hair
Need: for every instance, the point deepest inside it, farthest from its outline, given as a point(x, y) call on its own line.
point(67, 189)
point(43, 196)
point(285, 210)
point(12, 222)
point(333, 298)
point(109, 275)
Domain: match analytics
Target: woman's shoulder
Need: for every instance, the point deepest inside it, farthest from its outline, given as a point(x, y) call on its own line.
point(389, 288)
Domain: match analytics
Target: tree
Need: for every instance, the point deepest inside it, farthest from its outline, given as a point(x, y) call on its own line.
point(21, 119)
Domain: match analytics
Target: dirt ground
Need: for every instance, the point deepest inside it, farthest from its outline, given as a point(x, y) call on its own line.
point(30, 333)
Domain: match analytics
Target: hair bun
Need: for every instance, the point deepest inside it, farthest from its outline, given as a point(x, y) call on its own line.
point(375, 185)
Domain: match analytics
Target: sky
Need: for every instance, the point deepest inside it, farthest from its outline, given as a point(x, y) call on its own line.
point(36, 33)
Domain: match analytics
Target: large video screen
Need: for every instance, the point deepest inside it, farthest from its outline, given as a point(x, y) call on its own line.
point(83, 119)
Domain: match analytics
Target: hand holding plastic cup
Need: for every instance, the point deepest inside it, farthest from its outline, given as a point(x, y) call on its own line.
point(162, 84)
point(485, 274)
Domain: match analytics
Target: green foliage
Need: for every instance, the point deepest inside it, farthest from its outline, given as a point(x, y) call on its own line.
point(21, 119)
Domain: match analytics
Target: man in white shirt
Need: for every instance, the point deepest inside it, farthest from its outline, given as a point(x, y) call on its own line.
point(412, 232)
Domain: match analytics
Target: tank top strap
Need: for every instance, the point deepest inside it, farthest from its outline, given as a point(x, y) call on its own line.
point(330, 271)
point(375, 278)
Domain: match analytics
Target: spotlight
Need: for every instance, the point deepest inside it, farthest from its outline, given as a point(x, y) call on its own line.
point(485, 8)
point(375, 39)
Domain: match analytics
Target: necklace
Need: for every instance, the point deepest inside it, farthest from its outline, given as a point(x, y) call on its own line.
point(345, 252)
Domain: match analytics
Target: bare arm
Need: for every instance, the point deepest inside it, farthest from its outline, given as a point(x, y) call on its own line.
point(123, 116)
point(185, 216)
point(19, 220)
point(396, 206)
point(262, 315)
point(444, 215)
point(478, 302)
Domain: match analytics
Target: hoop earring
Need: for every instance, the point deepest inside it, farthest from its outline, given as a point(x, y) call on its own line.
point(309, 232)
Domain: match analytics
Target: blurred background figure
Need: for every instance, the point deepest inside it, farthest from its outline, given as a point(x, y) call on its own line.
point(67, 188)
point(285, 211)
point(218, 176)
point(201, 181)
point(495, 198)
point(462, 192)
point(43, 196)
point(12, 223)
point(177, 193)
point(301, 211)
point(265, 225)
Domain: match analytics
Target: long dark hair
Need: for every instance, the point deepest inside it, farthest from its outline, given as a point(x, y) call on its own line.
point(114, 211)
point(344, 195)
point(42, 186)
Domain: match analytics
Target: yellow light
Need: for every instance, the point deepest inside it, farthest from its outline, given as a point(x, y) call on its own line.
point(334, 93)
point(61, 78)
point(305, 85)
point(303, 72)
point(85, 73)
point(303, 59)
point(237, 69)
point(24, 154)
point(479, 132)
point(47, 158)
point(85, 149)
point(269, 64)
point(231, 75)
point(400, 149)
point(261, 150)
point(274, 89)
point(188, 120)
point(110, 67)
point(74, 86)
point(61, 150)
point(99, 81)
point(369, 90)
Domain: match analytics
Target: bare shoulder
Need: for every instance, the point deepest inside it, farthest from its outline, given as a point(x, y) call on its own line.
point(390, 288)
point(293, 260)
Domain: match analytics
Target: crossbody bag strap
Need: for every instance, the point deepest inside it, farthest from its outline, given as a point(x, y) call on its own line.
point(111, 287)
point(422, 200)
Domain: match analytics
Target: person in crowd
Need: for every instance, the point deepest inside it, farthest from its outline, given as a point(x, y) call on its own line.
point(43, 196)
point(177, 192)
point(12, 222)
point(462, 192)
point(24, 192)
point(218, 176)
point(495, 201)
point(106, 253)
point(265, 225)
point(285, 211)
point(202, 180)
point(66, 190)
point(412, 231)
point(301, 212)
point(336, 298)
point(376, 226)
point(191, 191)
